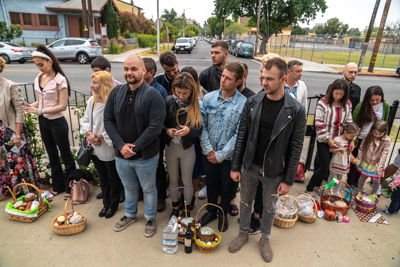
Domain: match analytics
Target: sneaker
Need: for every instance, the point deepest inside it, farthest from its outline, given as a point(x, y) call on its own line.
point(254, 226)
point(203, 193)
point(312, 195)
point(386, 212)
point(150, 228)
point(318, 191)
point(387, 208)
point(123, 223)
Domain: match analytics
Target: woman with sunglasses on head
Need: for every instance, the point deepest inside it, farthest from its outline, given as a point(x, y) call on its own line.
point(52, 89)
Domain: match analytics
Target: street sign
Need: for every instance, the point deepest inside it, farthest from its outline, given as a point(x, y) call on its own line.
point(161, 23)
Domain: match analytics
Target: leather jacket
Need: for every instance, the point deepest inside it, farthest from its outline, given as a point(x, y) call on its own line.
point(283, 152)
point(172, 108)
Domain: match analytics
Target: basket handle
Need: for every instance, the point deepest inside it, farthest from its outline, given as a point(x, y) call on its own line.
point(176, 188)
point(286, 197)
point(351, 193)
point(31, 185)
point(223, 214)
point(315, 204)
point(65, 207)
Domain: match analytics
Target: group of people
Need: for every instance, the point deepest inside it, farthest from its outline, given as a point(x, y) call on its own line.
point(209, 124)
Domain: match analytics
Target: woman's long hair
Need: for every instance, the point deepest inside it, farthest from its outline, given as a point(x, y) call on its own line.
point(380, 126)
point(186, 81)
point(365, 113)
point(106, 82)
point(336, 85)
point(56, 64)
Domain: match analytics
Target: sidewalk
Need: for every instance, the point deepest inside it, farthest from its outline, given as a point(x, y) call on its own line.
point(120, 58)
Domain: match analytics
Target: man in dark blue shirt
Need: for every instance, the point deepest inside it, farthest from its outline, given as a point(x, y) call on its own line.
point(170, 65)
point(151, 69)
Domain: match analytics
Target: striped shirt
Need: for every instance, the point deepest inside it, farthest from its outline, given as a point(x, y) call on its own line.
point(329, 120)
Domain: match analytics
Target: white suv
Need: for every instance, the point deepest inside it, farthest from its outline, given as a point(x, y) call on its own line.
point(183, 44)
point(80, 49)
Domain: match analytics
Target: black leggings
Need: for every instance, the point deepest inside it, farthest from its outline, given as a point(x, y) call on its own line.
point(323, 170)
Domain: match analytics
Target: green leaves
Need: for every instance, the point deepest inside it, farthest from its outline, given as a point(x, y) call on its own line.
point(9, 33)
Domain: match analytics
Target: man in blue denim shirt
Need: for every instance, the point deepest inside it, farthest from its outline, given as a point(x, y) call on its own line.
point(220, 125)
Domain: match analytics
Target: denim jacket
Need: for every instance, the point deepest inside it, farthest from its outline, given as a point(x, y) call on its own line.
point(220, 123)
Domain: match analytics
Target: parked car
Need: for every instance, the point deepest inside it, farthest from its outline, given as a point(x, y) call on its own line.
point(244, 49)
point(183, 44)
point(398, 68)
point(233, 45)
point(81, 49)
point(14, 52)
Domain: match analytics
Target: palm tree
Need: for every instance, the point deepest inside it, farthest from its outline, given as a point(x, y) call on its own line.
point(169, 16)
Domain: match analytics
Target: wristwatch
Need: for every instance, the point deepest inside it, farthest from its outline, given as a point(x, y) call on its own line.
point(95, 138)
point(18, 136)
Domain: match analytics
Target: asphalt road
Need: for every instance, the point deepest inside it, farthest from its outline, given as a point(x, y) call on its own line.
point(79, 75)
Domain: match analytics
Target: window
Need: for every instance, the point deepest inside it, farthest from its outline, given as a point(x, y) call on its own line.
point(27, 18)
point(15, 18)
point(53, 20)
point(42, 20)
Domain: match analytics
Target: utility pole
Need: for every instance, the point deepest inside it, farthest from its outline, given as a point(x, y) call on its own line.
point(224, 26)
point(183, 30)
point(379, 36)
point(368, 36)
point(258, 26)
point(84, 20)
point(158, 30)
point(91, 27)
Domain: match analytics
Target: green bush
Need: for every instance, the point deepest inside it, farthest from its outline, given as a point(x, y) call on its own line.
point(34, 44)
point(21, 43)
point(127, 34)
point(146, 40)
point(116, 48)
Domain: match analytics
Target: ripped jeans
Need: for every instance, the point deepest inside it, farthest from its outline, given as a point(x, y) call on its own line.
point(249, 182)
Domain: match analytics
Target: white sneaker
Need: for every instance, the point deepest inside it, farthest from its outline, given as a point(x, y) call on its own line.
point(203, 193)
point(379, 192)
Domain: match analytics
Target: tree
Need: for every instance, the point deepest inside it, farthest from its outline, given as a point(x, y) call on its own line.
point(355, 32)
point(333, 27)
point(132, 23)
point(216, 25)
point(110, 17)
point(9, 33)
point(236, 28)
point(297, 30)
point(169, 16)
point(277, 14)
point(191, 30)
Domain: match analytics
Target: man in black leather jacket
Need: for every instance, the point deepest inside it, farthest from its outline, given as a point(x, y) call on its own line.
point(268, 148)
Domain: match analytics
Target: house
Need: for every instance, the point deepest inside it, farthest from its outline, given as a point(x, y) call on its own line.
point(44, 21)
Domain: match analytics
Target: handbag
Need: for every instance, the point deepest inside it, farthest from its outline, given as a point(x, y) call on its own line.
point(79, 191)
point(85, 151)
point(300, 173)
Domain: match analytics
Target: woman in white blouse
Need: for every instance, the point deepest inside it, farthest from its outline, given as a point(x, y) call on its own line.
point(103, 156)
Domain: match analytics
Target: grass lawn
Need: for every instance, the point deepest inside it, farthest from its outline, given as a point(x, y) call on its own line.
point(153, 53)
point(340, 58)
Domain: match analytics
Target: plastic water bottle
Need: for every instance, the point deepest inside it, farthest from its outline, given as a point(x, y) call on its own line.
point(170, 236)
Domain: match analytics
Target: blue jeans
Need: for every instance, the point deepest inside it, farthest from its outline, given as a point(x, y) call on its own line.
point(395, 203)
point(133, 172)
point(249, 184)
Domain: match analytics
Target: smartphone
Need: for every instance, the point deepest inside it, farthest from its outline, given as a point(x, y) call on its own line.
point(23, 101)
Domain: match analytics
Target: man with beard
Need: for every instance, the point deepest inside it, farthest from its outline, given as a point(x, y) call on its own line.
point(210, 78)
point(133, 118)
point(170, 65)
point(268, 148)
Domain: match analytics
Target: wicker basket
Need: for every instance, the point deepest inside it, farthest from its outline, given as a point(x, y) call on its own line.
point(42, 208)
point(70, 229)
point(287, 223)
point(363, 206)
point(204, 247)
point(343, 210)
point(312, 219)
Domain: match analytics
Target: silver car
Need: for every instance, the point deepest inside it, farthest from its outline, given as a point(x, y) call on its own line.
point(80, 49)
point(14, 52)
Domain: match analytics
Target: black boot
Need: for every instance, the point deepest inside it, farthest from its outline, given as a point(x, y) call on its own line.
point(192, 203)
point(175, 212)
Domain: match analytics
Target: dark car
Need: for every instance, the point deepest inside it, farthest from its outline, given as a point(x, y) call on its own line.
point(232, 46)
point(244, 49)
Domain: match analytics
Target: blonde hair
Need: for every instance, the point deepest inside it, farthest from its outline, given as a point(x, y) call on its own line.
point(186, 81)
point(2, 65)
point(106, 82)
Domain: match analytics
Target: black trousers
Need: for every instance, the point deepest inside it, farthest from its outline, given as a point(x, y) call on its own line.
point(323, 170)
point(110, 182)
point(354, 175)
point(161, 174)
point(219, 174)
point(55, 135)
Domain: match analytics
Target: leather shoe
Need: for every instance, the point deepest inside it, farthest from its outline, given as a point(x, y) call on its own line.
point(102, 212)
point(266, 250)
point(225, 222)
point(122, 197)
point(110, 213)
point(160, 205)
point(238, 242)
point(100, 195)
point(207, 218)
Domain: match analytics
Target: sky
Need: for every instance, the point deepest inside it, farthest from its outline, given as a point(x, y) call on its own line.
point(356, 13)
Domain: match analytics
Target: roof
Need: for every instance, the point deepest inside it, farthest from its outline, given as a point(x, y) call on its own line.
point(76, 5)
